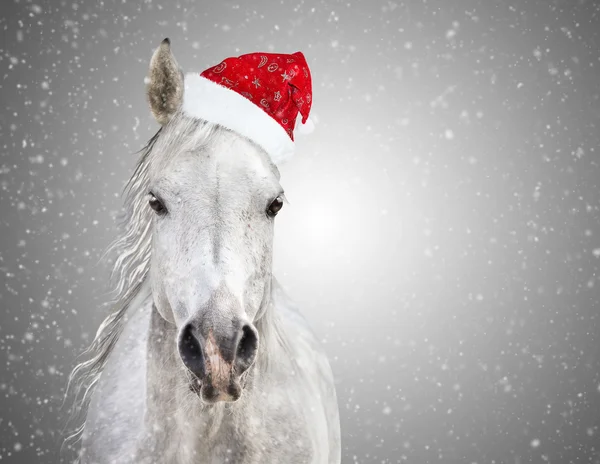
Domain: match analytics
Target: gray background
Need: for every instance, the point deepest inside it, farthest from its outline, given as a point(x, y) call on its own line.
point(442, 235)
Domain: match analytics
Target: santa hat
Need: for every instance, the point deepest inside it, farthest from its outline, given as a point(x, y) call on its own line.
point(258, 95)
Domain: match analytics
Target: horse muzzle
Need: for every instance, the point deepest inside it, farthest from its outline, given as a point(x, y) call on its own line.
point(217, 360)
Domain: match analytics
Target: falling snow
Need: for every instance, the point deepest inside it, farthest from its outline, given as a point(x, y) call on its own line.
point(442, 235)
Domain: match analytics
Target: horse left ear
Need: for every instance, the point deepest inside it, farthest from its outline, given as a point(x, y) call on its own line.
point(165, 83)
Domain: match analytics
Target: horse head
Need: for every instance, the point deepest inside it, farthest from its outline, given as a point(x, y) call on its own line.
point(213, 201)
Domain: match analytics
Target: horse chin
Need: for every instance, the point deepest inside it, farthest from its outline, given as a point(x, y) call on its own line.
point(208, 394)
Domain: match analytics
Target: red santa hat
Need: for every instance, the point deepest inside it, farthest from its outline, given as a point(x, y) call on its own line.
point(258, 95)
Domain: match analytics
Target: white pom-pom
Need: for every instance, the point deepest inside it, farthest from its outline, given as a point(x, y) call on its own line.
point(305, 128)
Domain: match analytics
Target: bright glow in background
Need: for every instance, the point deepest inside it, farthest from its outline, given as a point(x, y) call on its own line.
point(442, 231)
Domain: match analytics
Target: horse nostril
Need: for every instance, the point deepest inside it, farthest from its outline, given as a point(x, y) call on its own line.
point(247, 347)
point(190, 350)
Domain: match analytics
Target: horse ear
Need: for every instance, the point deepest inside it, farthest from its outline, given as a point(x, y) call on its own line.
point(164, 84)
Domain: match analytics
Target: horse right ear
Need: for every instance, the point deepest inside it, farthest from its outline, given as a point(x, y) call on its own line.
point(164, 84)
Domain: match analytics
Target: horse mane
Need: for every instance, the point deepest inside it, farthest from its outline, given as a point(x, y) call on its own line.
point(130, 269)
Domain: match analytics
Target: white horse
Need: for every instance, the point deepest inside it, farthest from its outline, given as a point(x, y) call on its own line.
point(204, 359)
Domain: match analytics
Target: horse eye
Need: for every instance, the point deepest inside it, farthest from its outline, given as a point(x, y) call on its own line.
point(275, 206)
point(156, 205)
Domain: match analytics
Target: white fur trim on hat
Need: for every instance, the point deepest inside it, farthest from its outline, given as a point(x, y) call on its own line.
point(215, 103)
